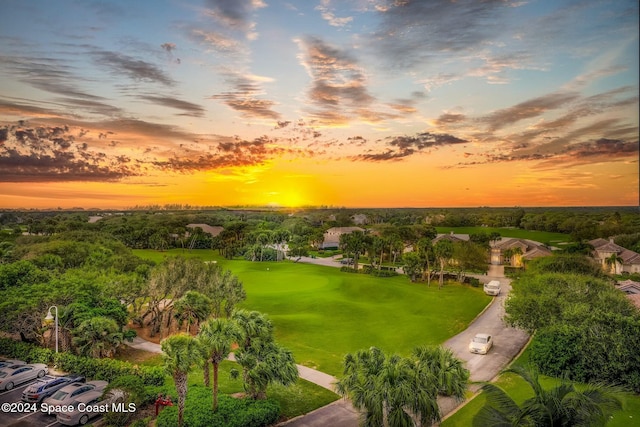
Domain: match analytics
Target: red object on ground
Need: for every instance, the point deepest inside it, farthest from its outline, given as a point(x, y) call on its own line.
point(162, 401)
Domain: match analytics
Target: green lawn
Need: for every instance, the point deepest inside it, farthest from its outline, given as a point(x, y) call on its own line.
point(520, 391)
point(551, 239)
point(321, 313)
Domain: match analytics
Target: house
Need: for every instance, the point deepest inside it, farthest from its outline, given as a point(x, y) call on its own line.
point(626, 260)
point(332, 236)
point(514, 251)
point(360, 219)
point(632, 289)
point(212, 230)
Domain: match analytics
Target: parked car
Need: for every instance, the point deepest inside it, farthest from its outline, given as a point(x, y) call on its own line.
point(89, 405)
point(46, 386)
point(481, 344)
point(9, 362)
point(346, 261)
point(17, 374)
point(67, 395)
point(492, 288)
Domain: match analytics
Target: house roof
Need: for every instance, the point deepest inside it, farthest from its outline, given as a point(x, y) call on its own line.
point(608, 246)
point(213, 230)
point(537, 252)
point(512, 242)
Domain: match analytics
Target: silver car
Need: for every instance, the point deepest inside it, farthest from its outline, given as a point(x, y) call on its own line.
point(67, 395)
point(17, 374)
point(9, 362)
point(89, 405)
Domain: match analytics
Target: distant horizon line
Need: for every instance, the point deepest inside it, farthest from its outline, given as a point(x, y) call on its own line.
point(187, 207)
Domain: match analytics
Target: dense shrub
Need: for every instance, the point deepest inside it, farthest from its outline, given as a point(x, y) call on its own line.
point(349, 269)
point(565, 263)
point(231, 412)
point(100, 369)
point(606, 348)
point(383, 273)
point(473, 281)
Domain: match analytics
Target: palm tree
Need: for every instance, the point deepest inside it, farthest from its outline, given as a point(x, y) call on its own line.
point(193, 308)
point(450, 374)
point(563, 405)
point(216, 337)
point(443, 251)
point(354, 243)
point(390, 390)
point(181, 352)
point(612, 262)
point(253, 324)
point(97, 337)
point(265, 363)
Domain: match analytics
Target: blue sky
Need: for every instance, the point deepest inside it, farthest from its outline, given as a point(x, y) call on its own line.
point(282, 102)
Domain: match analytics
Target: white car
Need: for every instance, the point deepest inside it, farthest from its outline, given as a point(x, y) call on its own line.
point(89, 405)
point(17, 374)
point(492, 288)
point(481, 344)
point(69, 394)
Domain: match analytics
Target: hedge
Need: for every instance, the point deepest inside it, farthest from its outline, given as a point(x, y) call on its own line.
point(99, 369)
point(231, 412)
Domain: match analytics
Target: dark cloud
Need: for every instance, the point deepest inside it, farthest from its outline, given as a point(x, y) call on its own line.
point(234, 153)
point(416, 31)
point(244, 98)
point(404, 146)
point(46, 154)
point(189, 108)
point(135, 69)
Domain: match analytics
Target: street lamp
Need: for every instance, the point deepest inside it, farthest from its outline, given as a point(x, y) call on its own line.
point(49, 318)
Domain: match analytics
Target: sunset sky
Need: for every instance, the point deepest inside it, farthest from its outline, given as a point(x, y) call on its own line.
point(357, 103)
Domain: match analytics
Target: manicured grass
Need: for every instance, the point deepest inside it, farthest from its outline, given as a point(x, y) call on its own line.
point(519, 390)
point(321, 313)
point(551, 239)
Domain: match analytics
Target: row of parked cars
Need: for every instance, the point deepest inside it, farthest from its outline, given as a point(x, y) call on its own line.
point(71, 398)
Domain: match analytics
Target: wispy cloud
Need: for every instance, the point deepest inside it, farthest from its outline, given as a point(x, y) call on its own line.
point(245, 96)
point(528, 109)
point(189, 108)
point(415, 31)
point(329, 16)
point(339, 91)
point(136, 69)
